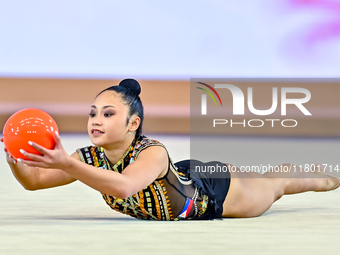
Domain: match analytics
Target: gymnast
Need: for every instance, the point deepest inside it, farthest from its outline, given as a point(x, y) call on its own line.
point(136, 175)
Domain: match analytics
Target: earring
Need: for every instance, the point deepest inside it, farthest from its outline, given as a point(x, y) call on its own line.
point(129, 132)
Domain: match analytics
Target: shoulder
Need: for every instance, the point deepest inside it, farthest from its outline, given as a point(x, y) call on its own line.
point(144, 142)
point(151, 154)
point(86, 154)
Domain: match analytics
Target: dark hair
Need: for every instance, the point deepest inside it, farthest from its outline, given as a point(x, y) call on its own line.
point(130, 89)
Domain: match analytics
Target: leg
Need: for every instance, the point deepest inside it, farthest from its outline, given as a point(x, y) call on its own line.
point(252, 194)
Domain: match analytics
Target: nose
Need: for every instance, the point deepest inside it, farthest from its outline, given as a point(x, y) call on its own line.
point(96, 121)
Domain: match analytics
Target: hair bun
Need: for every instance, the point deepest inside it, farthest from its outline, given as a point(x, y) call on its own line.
point(132, 84)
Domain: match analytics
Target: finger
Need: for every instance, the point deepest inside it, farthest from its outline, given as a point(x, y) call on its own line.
point(38, 147)
point(12, 159)
point(32, 156)
point(9, 156)
point(2, 139)
point(30, 163)
point(57, 136)
point(57, 139)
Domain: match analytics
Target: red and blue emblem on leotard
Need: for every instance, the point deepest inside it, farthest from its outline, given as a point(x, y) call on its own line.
point(187, 207)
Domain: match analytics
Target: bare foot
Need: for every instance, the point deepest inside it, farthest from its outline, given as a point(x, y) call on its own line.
point(337, 184)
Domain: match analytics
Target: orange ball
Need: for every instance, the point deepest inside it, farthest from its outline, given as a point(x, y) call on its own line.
point(29, 125)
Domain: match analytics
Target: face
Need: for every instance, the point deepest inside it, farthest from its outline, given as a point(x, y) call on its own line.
point(107, 122)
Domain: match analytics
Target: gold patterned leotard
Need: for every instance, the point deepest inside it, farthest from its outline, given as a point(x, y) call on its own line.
point(175, 196)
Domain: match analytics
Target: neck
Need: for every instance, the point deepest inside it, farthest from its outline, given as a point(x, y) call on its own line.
point(116, 151)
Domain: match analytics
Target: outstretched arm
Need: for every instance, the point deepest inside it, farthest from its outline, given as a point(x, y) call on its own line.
point(34, 178)
point(152, 162)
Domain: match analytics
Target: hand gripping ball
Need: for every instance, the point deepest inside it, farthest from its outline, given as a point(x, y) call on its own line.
point(29, 125)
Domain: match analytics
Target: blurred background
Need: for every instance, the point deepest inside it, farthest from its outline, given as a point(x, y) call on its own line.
point(57, 55)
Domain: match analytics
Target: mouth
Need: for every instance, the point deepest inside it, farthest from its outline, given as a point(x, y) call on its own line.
point(96, 132)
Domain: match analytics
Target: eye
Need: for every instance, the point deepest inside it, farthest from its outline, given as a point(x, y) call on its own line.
point(92, 114)
point(108, 114)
